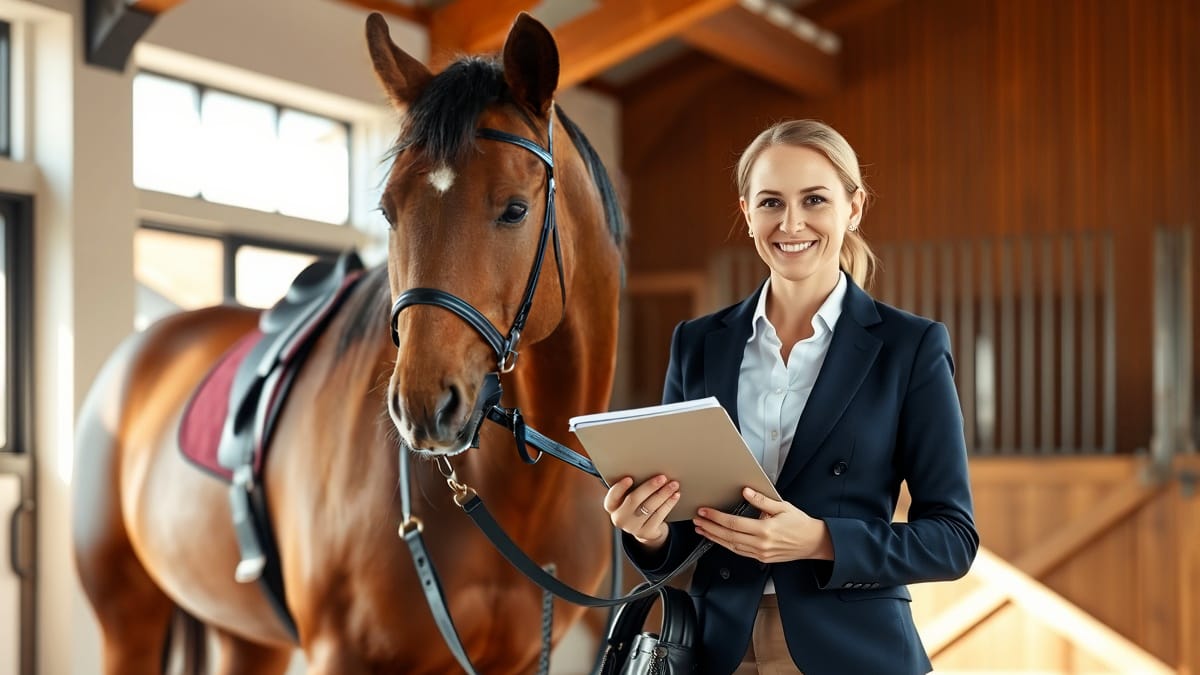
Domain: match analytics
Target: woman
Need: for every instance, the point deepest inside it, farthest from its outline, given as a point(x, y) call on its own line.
point(841, 398)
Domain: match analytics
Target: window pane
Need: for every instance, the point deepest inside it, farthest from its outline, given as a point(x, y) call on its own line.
point(175, 271)
point(264, 274)
point(314, 167)
point(5, 90)
point(166, 135)
point(238, 156)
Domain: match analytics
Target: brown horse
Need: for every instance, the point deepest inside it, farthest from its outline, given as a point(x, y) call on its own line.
point(153, 533)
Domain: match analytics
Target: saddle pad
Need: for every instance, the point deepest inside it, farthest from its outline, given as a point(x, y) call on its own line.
point(204, 417)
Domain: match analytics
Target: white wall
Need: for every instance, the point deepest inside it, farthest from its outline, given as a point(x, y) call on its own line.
point(74, 154)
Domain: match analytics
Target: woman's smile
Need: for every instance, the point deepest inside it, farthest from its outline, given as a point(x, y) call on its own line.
point(795, 248)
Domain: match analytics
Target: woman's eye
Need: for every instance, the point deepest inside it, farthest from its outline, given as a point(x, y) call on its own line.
point(769, 203)
point(514, 213)
point(814, 200)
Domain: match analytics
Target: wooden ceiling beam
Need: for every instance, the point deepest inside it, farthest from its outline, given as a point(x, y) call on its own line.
point(471, 27)
point(619, 29)
point(417, 15)
point(114, 28)
point(750, 42)
point(837, 15)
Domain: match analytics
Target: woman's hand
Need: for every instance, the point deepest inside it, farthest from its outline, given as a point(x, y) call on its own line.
point(642, 511)
point(780, 534)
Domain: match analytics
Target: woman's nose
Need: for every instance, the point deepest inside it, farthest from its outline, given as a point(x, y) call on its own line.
point(792, 222)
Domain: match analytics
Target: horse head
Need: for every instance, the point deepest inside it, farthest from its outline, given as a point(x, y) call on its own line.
point(480, 261)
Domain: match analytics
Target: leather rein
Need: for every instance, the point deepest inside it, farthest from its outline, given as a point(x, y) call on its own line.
point(505, 348)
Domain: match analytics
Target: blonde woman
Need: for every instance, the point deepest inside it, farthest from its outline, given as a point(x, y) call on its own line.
point(841, 398)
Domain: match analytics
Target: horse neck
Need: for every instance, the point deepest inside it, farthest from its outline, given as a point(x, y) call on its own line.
point(568, 373)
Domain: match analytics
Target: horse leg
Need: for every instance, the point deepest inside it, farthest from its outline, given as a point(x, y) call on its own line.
point(238, 656)
point(133, 612)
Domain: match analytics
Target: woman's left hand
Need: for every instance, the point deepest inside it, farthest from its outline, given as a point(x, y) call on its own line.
point(780, 534)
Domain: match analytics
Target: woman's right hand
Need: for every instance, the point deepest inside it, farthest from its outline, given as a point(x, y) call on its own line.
point(642, 511)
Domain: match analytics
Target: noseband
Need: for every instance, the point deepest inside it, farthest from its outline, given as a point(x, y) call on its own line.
point(505, 347)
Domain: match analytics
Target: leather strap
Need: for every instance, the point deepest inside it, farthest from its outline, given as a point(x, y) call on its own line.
point(435, 596)
point(483, 519)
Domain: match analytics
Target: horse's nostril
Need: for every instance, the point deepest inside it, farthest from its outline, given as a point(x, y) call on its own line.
point(447, 410)
point(394, 406)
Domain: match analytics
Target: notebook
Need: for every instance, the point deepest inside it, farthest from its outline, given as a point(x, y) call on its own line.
point(693, 442)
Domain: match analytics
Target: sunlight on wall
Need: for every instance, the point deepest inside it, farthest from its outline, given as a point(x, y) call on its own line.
point(64, 388)
point(10, 584)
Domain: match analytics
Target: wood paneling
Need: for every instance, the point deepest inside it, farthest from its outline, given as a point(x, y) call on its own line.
point(1138, 575)
point(973, 119)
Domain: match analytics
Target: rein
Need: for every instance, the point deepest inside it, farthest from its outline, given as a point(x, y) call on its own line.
point(505, 348)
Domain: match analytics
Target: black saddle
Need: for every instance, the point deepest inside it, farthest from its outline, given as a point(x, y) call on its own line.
point(260, 387)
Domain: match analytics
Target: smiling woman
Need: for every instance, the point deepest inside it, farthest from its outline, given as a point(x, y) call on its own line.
point(840, 398)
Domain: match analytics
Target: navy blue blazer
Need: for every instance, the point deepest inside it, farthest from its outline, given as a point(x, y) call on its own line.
point(883, 410)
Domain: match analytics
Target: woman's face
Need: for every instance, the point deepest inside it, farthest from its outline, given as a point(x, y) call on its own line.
point(798, 212)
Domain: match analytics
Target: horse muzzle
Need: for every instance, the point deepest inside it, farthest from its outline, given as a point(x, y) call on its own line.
point(448, 427)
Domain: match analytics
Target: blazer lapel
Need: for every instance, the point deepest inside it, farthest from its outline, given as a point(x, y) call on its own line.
point(723, 349)
point(852, 352)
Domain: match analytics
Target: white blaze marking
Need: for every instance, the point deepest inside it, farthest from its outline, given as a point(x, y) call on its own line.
point(441, 178)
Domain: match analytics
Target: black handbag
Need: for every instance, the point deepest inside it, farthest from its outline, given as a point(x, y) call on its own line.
point(671, 651)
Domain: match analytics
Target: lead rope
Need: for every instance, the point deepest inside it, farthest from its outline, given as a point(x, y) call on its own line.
point(547, 624)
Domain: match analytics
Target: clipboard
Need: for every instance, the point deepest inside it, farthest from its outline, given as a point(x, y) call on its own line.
point(693, 442)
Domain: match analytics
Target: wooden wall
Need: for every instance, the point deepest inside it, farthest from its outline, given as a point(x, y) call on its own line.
point(973, 119)
point(1095, 533)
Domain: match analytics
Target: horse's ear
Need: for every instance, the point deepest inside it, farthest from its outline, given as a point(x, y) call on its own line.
point(402, 76)
point(531, 63)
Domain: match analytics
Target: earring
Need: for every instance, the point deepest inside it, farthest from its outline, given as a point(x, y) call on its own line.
point(750, 233)
point(854, 227)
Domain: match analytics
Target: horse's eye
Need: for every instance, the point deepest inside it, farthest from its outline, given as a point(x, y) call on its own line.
point(515, 213)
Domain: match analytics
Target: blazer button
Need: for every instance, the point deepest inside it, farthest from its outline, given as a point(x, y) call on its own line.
point(839, 468)
point(724, 572)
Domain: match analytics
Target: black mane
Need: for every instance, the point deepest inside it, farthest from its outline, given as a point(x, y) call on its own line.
point(441, 124)
point(442, 121)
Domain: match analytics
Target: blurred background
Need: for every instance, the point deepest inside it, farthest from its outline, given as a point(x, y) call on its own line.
point(1035, 169)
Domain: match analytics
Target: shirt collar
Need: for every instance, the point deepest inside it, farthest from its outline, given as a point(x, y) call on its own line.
point(826, 317)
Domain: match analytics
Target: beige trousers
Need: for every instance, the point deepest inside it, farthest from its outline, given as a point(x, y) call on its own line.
point(768, 652)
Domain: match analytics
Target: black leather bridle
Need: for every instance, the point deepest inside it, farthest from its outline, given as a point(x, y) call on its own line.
point(504, 346)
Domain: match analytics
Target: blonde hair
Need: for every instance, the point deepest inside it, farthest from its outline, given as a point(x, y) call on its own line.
point(857, 258)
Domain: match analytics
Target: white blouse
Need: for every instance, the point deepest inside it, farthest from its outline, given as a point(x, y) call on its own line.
point(771, 394)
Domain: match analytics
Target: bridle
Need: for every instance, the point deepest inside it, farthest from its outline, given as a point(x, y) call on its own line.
point(504, 346)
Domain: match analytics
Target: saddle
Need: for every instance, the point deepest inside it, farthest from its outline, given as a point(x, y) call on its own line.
point(247, 390)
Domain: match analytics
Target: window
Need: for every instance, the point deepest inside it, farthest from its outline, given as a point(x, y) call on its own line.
point(179, 270)
point(14, 322)
point(196, 141)
point(5, 89)
point(17, 490)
